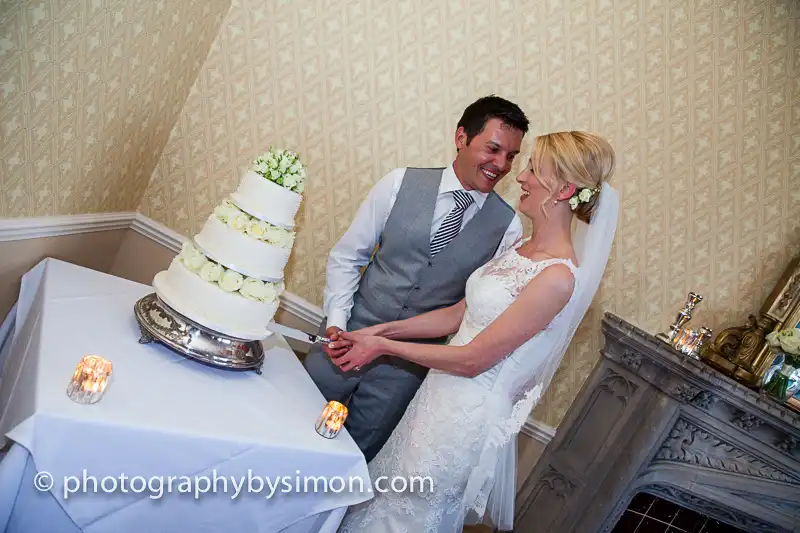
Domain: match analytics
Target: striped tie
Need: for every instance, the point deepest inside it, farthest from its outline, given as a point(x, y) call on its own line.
point(452, 224)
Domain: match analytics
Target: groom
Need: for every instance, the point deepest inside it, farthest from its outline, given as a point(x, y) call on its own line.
point(433, 228)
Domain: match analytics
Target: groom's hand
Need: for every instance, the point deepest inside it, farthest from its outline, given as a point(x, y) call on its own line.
point(338, 346)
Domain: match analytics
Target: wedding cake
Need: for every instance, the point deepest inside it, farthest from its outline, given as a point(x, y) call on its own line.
point(229, 277)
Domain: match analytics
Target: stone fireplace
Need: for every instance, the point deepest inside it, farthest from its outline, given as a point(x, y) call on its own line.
point(652, 421)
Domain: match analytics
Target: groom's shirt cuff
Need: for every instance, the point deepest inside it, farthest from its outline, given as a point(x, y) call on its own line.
point(338, 318)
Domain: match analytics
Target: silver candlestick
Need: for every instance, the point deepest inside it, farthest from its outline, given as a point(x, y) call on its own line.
point(683, 317)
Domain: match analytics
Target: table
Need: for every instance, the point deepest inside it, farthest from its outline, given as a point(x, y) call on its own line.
point(162, 415)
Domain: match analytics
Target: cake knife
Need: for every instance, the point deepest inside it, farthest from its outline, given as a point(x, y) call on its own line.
point(297, 334)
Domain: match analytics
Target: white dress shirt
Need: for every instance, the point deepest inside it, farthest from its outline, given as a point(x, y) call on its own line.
point(355, 248)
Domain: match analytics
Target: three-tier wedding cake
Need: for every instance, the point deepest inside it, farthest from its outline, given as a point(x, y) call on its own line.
point(229, 277)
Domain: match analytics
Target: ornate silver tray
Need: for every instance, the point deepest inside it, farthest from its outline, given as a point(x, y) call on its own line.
point(159, 322)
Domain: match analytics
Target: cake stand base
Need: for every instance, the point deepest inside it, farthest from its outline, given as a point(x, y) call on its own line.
point(160, 323)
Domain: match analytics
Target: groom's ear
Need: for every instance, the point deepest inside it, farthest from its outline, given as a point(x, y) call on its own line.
point(461, 138)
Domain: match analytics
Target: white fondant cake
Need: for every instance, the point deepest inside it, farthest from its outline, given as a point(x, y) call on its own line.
point(229, 277)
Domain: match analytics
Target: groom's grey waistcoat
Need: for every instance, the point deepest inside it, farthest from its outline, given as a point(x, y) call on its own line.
point(403, 280)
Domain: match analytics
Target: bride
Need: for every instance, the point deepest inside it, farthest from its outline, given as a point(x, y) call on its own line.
point(520, 312)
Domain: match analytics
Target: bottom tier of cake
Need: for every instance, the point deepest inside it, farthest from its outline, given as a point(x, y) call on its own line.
point(209, 305)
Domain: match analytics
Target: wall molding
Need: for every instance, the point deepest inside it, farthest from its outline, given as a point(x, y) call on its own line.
point(158, 232)
point(538, 431)
point(17, 229)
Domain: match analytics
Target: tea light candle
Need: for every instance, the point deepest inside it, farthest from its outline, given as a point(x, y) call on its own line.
point(90, 379)
point(331, 421)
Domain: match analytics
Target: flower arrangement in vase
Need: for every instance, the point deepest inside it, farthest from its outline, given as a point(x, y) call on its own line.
point(784, 381)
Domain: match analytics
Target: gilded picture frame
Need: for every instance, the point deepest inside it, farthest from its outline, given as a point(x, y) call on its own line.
point(742, 351)
point(782, 306)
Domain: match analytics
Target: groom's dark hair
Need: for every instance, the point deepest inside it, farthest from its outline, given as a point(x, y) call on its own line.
point(481, 111)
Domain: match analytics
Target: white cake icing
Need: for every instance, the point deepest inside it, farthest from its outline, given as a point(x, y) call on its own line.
point(229, 277)
point(266, 200)
point(241, 252)
point(207, 304)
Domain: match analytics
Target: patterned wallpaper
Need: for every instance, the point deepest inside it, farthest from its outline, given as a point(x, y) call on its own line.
point(90, 91)
point(701, 99)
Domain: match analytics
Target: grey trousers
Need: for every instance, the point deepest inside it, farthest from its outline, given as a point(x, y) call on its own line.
point(376, 396)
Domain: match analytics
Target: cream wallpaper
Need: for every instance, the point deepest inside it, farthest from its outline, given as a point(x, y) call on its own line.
point(90, 90)
point(701, 99)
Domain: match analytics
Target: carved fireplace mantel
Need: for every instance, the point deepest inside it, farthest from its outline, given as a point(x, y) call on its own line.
point(649, 419)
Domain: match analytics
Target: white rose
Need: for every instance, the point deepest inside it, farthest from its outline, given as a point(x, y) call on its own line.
point(257, 229)
point(239, 222)
point(276, 236)
point(573, 202)
point(285, 164)
point(272, 161)
point(226, 210)
point(790, 342)
point(211, 272)
point(194, 260)
point(231, 281)
point(252, 289)
point(300, 188)
point(772, 339)
point(295, 168)
point(285, 238)
point(290, 180)
point(585, 195)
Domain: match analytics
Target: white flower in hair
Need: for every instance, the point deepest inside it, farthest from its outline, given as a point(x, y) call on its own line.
point(585, 195)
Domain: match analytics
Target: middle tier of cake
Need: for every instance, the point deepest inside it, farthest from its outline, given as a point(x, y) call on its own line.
point(237, 249)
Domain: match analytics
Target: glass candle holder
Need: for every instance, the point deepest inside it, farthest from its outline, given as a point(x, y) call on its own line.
point(90, 379)
point(331, 420)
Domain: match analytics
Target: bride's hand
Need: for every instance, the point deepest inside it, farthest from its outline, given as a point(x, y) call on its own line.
point(364, 350)
point(376, 330)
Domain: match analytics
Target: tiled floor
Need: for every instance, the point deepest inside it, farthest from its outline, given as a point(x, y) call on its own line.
point(649, 514)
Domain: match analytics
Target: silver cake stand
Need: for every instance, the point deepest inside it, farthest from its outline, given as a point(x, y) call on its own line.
point(160, 323)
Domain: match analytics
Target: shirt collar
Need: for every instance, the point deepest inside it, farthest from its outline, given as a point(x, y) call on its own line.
point(450, 183)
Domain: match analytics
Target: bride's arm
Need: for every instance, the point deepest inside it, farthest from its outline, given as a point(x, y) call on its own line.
point(533, 309)
point(430, 325)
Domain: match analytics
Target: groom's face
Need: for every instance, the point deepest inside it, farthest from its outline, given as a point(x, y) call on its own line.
point(488, 157)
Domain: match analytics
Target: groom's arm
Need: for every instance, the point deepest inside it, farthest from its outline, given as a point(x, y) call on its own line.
point(354, 249)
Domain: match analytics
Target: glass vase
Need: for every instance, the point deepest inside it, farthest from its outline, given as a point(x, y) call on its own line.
point(782, 381)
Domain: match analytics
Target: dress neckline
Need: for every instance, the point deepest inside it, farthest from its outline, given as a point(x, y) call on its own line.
point(515, 249)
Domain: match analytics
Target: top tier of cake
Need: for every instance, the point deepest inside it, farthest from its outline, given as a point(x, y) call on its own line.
point(266, 200)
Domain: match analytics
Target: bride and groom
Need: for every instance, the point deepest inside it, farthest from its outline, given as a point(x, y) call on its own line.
point(450, 261)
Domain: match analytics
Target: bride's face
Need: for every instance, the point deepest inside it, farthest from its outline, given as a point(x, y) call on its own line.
point(534, 192)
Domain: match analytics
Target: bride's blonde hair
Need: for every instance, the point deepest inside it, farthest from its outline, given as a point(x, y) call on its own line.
point(578, 157)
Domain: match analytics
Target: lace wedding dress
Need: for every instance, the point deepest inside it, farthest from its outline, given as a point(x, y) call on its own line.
point(460, 432)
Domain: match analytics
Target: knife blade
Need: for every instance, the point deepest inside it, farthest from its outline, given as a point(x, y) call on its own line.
point(297, 334)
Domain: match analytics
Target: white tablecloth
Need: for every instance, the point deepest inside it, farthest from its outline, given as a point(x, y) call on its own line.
point(162, 415)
